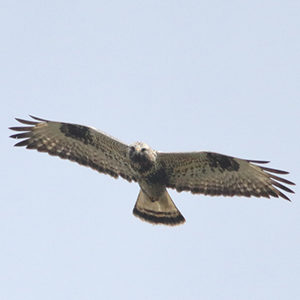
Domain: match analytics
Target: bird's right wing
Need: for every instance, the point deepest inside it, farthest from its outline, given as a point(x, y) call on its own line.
point(82, 144)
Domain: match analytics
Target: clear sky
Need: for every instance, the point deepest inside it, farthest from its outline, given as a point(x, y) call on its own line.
point(182, 76)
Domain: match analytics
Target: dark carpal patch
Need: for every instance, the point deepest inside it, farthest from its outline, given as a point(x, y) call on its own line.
point(222, 162)
point(77, 132)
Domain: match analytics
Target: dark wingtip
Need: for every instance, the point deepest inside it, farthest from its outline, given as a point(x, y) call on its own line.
point(22, 143)
point(275, 171)
point(38, 119)
point(26, 121)
point(14, 136)
point(258, 161)
point(285, 197)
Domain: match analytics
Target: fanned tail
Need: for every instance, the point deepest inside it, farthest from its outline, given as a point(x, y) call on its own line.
point(160, 211)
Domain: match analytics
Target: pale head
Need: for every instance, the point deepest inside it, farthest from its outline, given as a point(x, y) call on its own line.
point(141, 156)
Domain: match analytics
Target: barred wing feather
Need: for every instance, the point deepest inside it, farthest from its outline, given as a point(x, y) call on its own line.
point(84, 145)
point(216, 174)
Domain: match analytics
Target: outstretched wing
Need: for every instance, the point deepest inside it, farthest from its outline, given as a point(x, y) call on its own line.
point(85, 145)
point(216, 174)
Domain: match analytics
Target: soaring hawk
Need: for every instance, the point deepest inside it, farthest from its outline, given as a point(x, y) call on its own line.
point(205, 173)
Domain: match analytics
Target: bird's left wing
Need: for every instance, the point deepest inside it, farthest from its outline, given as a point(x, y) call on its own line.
point(216, 174)
point(82, 144)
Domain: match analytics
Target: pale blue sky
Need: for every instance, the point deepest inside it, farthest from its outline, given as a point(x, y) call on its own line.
point(180, 75)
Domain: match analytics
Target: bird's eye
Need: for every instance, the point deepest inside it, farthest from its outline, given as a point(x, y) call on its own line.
point(143, 149)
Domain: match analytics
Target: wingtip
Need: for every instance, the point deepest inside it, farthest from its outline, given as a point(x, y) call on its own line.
point(19, 120)
point(26, 122)
point(21, 144)
point(258, 161)
point(13, 136)
point(287, 199)
point(38, 119)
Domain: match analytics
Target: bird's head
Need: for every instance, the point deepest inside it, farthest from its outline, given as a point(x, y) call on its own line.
point(141, 156)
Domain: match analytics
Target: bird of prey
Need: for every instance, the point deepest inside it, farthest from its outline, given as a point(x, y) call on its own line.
point(205, 173)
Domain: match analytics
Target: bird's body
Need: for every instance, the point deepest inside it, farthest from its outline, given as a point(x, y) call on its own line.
point(199, 172)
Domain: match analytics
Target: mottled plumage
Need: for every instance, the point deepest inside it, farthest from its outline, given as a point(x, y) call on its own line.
point(199, 172)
